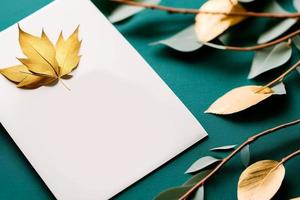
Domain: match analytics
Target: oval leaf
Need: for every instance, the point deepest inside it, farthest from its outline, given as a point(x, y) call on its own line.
point(296, 41)
point(261, 180)
point(297, 5)
point(245, 155)
point(123, 12)
point(279, 89)
point(210, 26)
point(199, 195)
point(196, 178)
point(279, 28)
point(239, 99)
point(270, 58)
point(202, 163)
point(224, 148)
point(185, 41)
point(173, 193)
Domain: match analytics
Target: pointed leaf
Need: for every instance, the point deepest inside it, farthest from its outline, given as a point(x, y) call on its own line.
point(279, 89)
point(270, 58)
point(16, 73)
point(210, 26)
point(279, 28)
point(123, 12)
point(40, 52)
point(199, 195)
point(202, 163)
point(173, 193)
point(245, 155)
point(67, 53)
point(261, 180)
point(185, 41)
point(224, 148)
point(197, 177)
point(239, 99)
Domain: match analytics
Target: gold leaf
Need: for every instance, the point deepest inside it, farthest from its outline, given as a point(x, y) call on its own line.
point(239, 99)
point(33, 81)
point(209, 26)
point(16, 73)
point(67, 53)
point(40, 52)
point(261, 180)
point(24, 78)
point(41, 65)
point(297, 198)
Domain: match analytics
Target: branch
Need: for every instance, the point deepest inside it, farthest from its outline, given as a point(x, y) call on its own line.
point(280, 78)
point(285, 159)
point(255, 47)
point(196, 11)
point(226, 159)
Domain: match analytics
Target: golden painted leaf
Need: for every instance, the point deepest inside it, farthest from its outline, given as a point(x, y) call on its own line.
point(44, 63)
point(24, 78)
point(261, 180)
point(67, 53)
point(40, 52)
point(239, 99)
point(297, 198)
point(209, 26)
point(16, 73)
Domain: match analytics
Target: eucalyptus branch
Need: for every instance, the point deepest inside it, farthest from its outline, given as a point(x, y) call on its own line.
point(285, 159)
point(226, 159)
point(196, 11)
point(256, 47)
point(281, 77)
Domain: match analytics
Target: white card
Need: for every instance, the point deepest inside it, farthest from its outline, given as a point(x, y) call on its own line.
point(118, 123)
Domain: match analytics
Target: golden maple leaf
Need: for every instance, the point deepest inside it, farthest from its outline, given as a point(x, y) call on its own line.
point(45, 63)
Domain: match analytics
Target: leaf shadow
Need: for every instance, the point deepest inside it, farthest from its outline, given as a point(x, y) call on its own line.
point(261, 111)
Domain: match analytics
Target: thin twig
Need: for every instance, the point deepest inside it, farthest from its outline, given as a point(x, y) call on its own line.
point(280, 78)
point(226, 159)
point(285, 159)
point(196, 11)
point(256, 47)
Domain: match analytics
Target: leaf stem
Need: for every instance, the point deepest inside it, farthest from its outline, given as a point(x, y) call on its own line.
point(226, 159)
point(63, 83)
point(196, 11)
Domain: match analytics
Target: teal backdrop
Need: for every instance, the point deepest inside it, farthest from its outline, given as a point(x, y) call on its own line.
point(198, 79)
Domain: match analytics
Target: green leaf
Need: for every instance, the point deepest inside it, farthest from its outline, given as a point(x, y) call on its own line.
point(279, 28)
point(279, 89)
point(196, 178)
point(245, 155)
point(202, 163)
point(199, 195)
point(296, 41)
point(123, 12)
point(270, 58)
point(297, 5)
point(276, 31)
point(173, 193)
point(224, 148)
point(185, 41)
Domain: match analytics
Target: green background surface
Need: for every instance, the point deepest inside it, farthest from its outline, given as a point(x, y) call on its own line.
point(197, 78)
